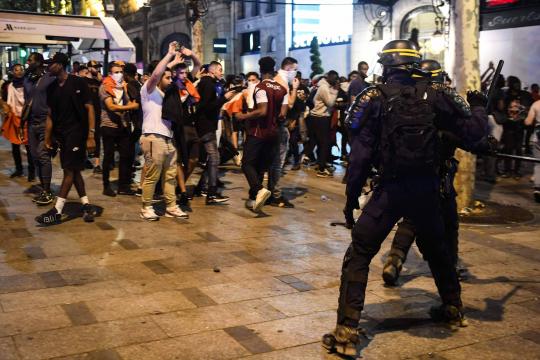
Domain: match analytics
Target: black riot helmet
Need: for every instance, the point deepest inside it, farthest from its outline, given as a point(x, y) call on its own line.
point(430, 70)
point(399, 52)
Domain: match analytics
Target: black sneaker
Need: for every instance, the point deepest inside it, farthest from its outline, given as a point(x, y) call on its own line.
point(324, 173)
point(216, 199)
point(44, 198)
point(295, 167)
point(16, 174)
point(199, 193)
point(51, 217)
point(98, 170)
point(280, 202)
point(88, 213)
point(31, 176)
point(107, 191)
point(138, 192)
point(183, 199)
point(126, 191)
point(88, 164)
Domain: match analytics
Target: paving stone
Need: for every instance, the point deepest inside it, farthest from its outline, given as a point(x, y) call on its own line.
point(128, 244)
point(7, 349)
point(503, 348)
point(68, 294)
point(16, 283)
point(138, 305)
point(248, 339)
point(216, 317)
point(197, 297)
point(304, 352)
point(294, 331)
point(26, 321)
point(157, 267)
point(35, 252)
point(224, 293)
point(214, 345)
point(79, 314)
point(79, 339)
point(52, 279)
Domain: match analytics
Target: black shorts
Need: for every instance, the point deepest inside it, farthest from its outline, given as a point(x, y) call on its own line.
point(192, 142)
point(72, 145)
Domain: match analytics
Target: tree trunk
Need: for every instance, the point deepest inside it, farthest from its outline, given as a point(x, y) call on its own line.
point(197, 38)
point(467, 77)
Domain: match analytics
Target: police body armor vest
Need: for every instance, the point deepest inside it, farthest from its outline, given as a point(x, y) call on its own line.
point(409, 143)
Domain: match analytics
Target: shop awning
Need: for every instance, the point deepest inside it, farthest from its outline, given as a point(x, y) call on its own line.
point(85, 32)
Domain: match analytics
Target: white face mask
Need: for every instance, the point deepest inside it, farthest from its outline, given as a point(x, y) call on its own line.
point(291, 75)
point(118, 77)
point(251, 86)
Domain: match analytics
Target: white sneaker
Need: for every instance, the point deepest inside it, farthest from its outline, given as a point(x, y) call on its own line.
point(250, 204)
point(149, 214)
point(262, 196)
point(176, 212)
point(238, 159)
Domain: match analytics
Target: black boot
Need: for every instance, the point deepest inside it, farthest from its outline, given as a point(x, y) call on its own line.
point(346, 341)
point(391, 270)
point(451, 315)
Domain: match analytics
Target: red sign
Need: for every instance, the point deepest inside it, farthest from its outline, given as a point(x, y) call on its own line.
point(491, 3)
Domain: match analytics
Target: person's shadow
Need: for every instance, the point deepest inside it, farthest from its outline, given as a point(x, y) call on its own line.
point(73, 210)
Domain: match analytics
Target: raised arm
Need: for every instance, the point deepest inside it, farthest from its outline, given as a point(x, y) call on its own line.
point(196, 61)
point(153, 81)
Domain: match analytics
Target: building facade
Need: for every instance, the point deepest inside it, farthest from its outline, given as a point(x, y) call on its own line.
point(509, 31)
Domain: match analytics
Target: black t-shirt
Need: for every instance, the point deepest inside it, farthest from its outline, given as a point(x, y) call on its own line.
point(299, 106)
point(93, 86)
point(67, 104)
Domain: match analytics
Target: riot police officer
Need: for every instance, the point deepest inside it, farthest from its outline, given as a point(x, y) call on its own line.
point(431, 71)
point(395, 127)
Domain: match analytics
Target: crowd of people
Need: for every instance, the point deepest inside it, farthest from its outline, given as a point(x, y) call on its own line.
point(181, 114)
point(178, 115)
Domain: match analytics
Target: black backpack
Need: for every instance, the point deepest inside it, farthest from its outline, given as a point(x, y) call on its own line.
point(409, 142)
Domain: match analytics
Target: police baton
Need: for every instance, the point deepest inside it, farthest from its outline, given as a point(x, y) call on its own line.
point(491, 90)
point(517, 157)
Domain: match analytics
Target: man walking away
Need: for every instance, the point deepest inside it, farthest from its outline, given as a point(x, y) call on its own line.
point(71, 121)
point(35, 87)
point(262, 143)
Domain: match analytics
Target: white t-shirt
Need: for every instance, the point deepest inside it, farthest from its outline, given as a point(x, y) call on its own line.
point(534, 111)
point(260, 97)
point(151, 107)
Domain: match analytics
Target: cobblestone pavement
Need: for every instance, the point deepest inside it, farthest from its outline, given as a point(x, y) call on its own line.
point(226, 284)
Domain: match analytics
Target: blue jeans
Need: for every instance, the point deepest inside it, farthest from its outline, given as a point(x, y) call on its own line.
point(40, 154)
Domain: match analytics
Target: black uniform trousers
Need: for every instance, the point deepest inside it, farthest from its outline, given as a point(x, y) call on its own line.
point(418, 199)
point(406, 232)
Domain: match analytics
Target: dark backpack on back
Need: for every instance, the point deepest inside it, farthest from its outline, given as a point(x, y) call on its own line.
point(409, 139)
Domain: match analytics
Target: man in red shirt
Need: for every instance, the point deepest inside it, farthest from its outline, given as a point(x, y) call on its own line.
point(271, 103)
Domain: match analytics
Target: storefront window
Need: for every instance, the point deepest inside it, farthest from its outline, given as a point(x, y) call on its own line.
point(430, 34)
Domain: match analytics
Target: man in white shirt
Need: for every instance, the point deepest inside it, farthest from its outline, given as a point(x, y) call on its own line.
point(157, 140)
point(534, 118)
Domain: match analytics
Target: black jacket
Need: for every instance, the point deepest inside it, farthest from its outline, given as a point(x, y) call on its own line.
point(209, 106)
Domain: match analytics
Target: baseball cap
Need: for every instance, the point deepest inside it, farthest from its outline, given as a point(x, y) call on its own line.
point(94, 64)
point(58, 58)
